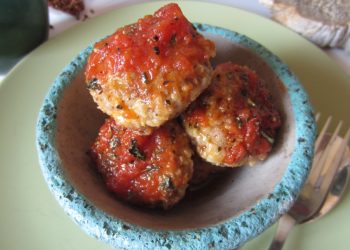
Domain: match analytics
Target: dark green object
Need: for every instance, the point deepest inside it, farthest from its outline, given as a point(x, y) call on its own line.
point(23, 26)
point(135, 151)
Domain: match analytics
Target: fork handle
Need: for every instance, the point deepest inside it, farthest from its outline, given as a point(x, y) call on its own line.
point(285, 224)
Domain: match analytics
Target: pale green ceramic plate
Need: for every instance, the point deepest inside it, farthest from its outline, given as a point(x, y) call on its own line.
point(30, 218)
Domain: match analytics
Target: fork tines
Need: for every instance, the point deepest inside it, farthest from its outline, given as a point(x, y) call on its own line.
point(327, 155)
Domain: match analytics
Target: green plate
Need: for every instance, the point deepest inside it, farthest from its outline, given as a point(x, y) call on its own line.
point(30, 218)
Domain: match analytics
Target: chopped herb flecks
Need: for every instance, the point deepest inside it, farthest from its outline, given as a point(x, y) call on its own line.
point(173, 39)
point(239, 122)
point(94, 85)
point(150, 168)
point(144, 78)
point(167, 183)
point(114, 142)
point(229, 75)
point(244, 77)
point(135, 151)
point(156, 50)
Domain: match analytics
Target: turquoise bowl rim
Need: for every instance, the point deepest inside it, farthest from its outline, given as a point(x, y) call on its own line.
point(227, 235)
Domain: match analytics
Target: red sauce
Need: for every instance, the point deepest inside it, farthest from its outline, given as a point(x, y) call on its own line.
point(141, 168)
point(237, 95)
point(148, 47)
point(259, 120)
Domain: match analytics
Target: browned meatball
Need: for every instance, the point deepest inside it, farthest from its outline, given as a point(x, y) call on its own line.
point(152, 170)
point(234, 121)
point(148, 72)
point(203, 172)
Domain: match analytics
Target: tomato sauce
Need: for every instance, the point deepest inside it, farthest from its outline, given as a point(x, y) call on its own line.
point(239, 105)
point(143, 169)
point(148, 47)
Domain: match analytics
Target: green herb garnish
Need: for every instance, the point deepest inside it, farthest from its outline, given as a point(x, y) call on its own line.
point(114, 142)
point(173, 39)
point(167, 183)
point(135, 151)
point(94, 85)
point(244, 77)
point(239, 122)
point(150, 168)
point(144, 78)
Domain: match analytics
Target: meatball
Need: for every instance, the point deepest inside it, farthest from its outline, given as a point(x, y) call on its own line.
point(149, 72)
point(203, 172)
point(234, 121)
point(153, 170)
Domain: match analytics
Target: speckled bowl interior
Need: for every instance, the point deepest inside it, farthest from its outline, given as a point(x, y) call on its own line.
point(230, 210)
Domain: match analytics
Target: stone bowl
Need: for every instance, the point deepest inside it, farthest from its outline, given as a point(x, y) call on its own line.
point(234, 208)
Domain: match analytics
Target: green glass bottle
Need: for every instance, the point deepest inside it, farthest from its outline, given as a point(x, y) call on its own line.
point(23, 26)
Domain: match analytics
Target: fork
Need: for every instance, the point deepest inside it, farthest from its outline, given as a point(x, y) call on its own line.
point(326, 163)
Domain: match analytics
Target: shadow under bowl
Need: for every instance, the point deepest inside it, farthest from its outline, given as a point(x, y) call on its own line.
point(231, 210)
